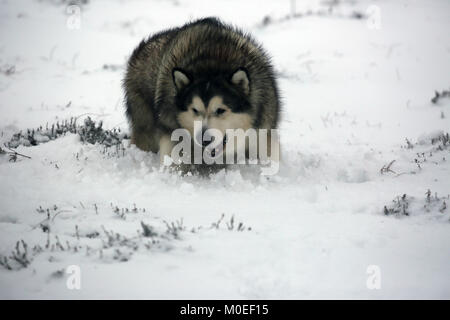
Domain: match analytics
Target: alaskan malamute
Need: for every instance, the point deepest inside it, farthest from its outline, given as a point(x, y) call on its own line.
point(204, 71)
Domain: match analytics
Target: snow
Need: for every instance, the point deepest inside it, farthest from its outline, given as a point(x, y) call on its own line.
point(352, 95)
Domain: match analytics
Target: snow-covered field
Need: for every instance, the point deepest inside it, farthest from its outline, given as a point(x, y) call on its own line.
point(332, 224)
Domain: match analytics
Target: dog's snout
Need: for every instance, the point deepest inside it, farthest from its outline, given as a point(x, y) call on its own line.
point(207, 138)
point(202, 137)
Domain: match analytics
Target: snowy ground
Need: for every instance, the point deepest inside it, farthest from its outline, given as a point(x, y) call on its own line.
point(353, 90)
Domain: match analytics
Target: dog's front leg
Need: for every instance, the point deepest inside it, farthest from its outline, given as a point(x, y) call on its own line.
point(165, 148)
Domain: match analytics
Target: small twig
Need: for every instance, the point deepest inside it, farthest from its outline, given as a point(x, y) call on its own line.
point(13, 153)
point(61, 211)
point(387, 168)
point(231, 224)
point(217, 224)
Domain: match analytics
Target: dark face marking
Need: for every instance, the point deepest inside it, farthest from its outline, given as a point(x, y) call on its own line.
point(206, 89)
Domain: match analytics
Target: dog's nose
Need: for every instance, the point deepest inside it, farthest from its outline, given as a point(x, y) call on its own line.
point(207, 138)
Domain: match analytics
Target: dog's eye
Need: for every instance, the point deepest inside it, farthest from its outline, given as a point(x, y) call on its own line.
point(220, 111)
point(195, 111)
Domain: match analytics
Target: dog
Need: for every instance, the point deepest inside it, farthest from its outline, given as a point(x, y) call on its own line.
point(205, 72)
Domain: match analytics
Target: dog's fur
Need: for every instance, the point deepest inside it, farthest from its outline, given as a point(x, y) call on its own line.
point(205, 70)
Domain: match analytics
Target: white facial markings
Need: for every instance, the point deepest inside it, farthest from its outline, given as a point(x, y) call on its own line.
point(197, 106)
point(215, 106)
point(216, 115)
point(226, 119)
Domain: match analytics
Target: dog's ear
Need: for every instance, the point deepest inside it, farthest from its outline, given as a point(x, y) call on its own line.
point(180, 78)
point(240, 78)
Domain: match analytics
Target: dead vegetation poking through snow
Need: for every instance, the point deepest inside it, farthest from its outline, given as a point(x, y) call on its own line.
point(325, 13)
point(7, 70)
point(104, 244)
point(439, 96)
point(405, 205)
point(89, 132)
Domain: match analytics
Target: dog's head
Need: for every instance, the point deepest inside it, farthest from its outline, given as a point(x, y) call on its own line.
point(218, 102)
